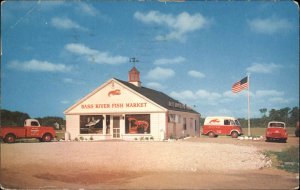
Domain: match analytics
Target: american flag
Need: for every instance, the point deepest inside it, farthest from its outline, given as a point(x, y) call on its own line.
point(240, 85)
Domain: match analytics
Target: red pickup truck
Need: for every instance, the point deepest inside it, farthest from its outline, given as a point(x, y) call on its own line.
point(31, 129)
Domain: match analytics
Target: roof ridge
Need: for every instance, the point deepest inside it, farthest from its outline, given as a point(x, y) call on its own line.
point(159, 97)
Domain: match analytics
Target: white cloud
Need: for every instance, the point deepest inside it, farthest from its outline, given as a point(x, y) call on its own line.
point(65, 102)
point(72, 81)
point(159, 73)
point(164, 61)
point(221, 111)
point(39, 66)
point(80, 49)
point(203, 94)
point(87, 9)
point(154, 85)
point(266, 93)
point(263, 68)
point(198, 95)
point(279, 100)
point(196, 74)
point(272, 96)
point(65, 23)
point(269, 25)
point(178, 25)
point(230, 94)
point(95, 56)
point(183, 95)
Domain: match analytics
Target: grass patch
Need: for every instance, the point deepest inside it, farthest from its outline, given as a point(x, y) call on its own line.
point(287, 159)
point(261, 131)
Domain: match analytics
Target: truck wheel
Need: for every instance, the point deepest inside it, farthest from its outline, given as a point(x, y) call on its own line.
point(10, 138)
point(47, 138)
point(268, 139)
point(211, 134)
point(234, 134)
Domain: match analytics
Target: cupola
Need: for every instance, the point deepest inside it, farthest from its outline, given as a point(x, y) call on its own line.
point(134, 77)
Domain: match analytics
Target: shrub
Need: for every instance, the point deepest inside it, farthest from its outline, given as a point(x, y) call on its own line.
point(287, 159)
point(135, 139)
point(151, 138)
point(289, 155)
point(81, 138)
point(76, 139)
point(91, 138)
point(142, 138)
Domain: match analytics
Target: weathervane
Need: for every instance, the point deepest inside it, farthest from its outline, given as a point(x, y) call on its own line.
point(134, 60)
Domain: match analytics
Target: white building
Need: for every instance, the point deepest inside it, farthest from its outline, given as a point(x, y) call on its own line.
point(125, 110)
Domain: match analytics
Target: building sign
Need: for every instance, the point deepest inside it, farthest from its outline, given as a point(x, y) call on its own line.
point(114, 105)
point(178, 105)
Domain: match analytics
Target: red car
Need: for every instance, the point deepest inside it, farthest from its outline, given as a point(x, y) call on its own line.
point(31, 129)
point(276, 131)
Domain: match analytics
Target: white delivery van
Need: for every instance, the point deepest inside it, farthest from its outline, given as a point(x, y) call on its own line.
point(222, 125)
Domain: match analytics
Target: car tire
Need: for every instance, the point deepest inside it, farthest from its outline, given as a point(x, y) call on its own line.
point(10, 138)
point(234, 134)
point(47, 137)
point(211, 134)
point(283, 140)
point(268, 139)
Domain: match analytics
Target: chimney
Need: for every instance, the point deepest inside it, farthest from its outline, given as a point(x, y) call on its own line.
point(134, 77)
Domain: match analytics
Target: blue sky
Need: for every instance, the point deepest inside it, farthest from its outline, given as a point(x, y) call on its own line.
point(56, 52)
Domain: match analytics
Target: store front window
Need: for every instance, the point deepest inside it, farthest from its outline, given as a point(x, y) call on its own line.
point(91, 124)
point(137, 124)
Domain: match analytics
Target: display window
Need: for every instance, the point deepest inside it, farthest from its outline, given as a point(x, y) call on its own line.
point(137, 124)
point(91, 124)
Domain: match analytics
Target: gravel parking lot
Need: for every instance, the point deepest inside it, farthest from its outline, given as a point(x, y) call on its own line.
point(138, 156)
point(94, 164)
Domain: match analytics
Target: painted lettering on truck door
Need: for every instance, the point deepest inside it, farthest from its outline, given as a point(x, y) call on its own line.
point(32, 131)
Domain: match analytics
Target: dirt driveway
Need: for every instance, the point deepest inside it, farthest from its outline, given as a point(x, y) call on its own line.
point(195, 163)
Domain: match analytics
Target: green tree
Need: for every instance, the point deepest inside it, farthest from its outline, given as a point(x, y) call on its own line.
point(274, 115)
point(50, 121)
point(293, 116)
point(263, 111)
point(284, 114)
point(9, 118)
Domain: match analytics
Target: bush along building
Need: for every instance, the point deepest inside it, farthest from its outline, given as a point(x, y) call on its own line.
point(126, 110)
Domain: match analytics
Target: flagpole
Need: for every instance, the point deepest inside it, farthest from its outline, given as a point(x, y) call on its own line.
point(249, 132)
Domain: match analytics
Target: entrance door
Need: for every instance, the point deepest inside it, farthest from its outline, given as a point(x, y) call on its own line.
point(116, 127)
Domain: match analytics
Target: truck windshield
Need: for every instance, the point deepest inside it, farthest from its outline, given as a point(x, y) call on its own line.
point(237, 122)
point(34, 123)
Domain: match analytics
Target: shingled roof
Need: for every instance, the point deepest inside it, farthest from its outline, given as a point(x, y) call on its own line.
point(160, 98)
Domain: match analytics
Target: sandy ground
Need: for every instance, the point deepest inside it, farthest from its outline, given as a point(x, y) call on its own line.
point(195, 163)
